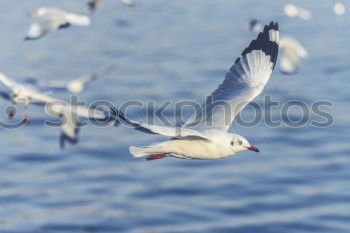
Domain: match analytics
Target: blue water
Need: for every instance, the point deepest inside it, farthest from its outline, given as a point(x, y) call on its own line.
point(175, 50)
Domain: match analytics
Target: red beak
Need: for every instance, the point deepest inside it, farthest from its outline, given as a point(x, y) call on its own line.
point(253, 148)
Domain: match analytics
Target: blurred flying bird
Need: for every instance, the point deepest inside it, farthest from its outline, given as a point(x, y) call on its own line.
point(75, 86)
point(208, 137)
point(129, 2)
point(339, 8)
point(296, 11)
point(92, 4)
point(255, 26)
point(291, 54)
point(291, 50)
point(70, 114)
point(78, 85)
point(51, 19)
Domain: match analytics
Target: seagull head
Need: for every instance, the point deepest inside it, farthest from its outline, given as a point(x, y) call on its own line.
point(75, 86)
point(39, 12)
point(239, 143)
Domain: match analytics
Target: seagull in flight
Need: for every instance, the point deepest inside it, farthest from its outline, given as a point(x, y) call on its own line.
point(75, 86)
point(206, 136)
point(92, 4)
point(291, 50)
point(339, 8)
point(25, 94)
point(129, 3)
point(295, 11)
point(51, 19)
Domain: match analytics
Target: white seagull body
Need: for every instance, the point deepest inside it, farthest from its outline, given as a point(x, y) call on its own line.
point(78, 85)
point(291, 50)
point(51, 19)
point(291, 53)
point(208, 137)
point(19, 93)
point(339, 8)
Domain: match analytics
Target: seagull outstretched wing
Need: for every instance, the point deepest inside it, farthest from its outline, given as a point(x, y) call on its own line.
point(245, 80)
point(50, 19)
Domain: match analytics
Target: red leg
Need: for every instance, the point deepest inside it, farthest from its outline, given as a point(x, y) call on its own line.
point(156, 156)
point(26, 119)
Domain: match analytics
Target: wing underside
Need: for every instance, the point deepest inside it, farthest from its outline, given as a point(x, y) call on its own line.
point(244, 81)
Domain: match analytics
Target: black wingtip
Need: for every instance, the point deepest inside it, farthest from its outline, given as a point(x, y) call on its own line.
point(273, 26)
point(111, 117)
point(115, 112)
point(66, 25)
point(31, 38)
point(263, 43)
point(28, 38)
point(118, 114)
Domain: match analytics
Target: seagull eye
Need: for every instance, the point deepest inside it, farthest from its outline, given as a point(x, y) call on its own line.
point(240, 142)
point(232, 143)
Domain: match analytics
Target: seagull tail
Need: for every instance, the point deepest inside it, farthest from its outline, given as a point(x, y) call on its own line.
point(79, 20)
point(139, 151)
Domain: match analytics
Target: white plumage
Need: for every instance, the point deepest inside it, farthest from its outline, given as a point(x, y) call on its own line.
point(206, 137)
point(19, 93)
point(339, 8)
point(75, 86)
point(128, 2)
point(51, 19)
point(296, 11)
point(291, 53)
